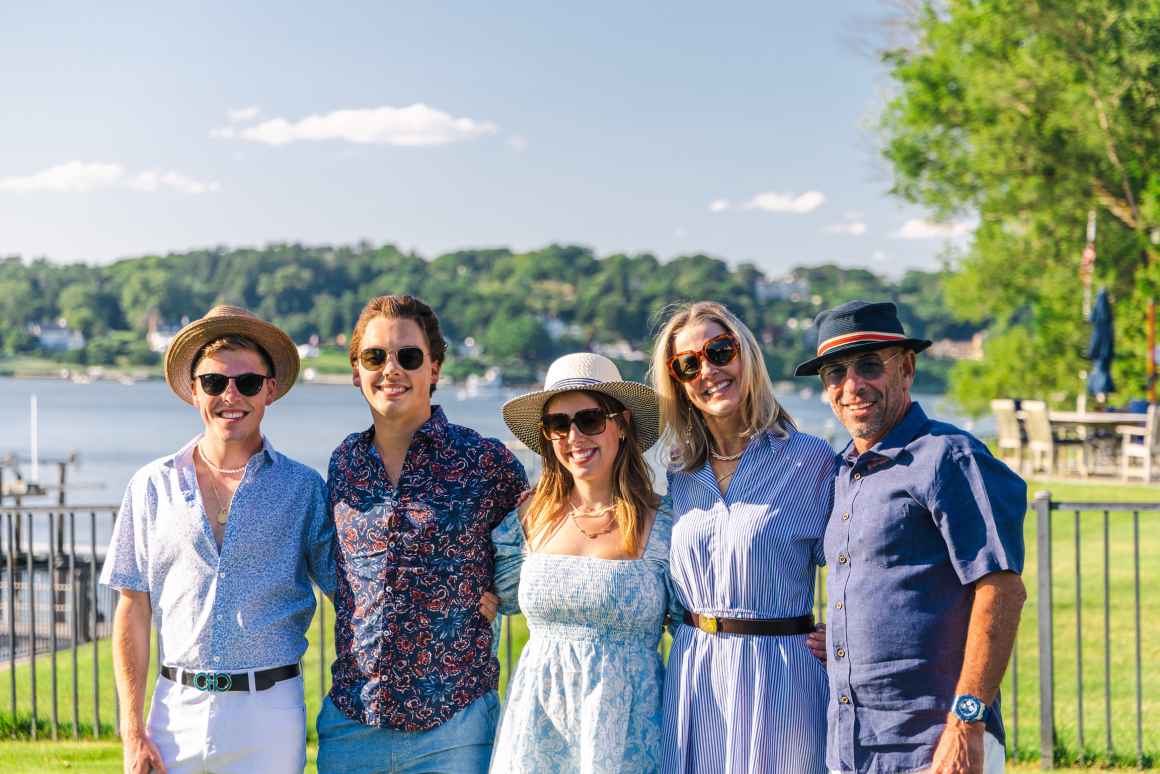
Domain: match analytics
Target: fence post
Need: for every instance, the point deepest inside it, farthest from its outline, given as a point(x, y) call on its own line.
point(1042, 506)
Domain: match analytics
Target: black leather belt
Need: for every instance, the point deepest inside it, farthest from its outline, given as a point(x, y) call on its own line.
point(226, 681)
point(775, 627)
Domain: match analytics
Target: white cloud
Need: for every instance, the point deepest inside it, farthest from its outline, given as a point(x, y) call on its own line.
point(413, 126)
point(152, 180)
point(719, 205)
point(241, 115)
point(917, 228)
point(853, 228)
point(518, 143)
point(787, 202)
point(70, 177)
point(84, 177)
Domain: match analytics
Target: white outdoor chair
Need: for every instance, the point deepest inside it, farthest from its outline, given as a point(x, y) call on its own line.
point(1042, 445)
point(1140, 443)
point(1010, 435)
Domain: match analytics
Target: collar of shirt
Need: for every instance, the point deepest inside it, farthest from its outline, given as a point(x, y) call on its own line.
point(433, 430)
point(910, 427)
point(182, 463)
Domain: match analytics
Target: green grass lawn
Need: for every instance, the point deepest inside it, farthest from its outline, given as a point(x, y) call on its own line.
point(1023, 724)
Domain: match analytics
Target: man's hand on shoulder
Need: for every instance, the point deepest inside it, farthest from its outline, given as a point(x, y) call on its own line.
point(960, 749)
point(141, 755)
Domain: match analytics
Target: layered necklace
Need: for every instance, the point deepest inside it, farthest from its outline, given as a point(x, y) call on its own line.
point(591, 513)
point(225, 503)
point(726, 458)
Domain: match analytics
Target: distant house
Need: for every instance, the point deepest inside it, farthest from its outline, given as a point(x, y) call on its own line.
point(159, 334)
point(949, 349)
point(788, 288)
point(620, 350)
point(56, 336)
point(307, 351)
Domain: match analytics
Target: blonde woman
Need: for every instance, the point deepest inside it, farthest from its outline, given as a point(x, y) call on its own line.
point(589, 552)
point(751, 496)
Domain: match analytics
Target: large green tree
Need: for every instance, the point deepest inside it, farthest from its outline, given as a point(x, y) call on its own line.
point(1028, 114)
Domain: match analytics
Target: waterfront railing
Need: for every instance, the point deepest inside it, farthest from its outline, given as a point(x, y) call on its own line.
point(1078, 688)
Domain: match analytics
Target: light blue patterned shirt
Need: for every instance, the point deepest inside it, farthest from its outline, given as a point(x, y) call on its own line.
point(248, 605)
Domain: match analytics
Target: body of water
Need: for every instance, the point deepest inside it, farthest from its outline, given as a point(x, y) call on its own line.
point(116, 428)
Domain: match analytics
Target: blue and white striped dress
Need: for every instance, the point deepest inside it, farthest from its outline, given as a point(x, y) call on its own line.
point(737, 703)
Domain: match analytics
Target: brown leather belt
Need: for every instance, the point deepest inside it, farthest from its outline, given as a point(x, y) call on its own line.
point(775, 627)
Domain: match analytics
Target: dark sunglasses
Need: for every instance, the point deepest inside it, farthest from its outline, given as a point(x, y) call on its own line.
point(719, 350)
point(408, 358)
point(870, 367)
point(247, 384)
point(588, 421)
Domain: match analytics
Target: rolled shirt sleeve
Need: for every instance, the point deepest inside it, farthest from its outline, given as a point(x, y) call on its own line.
point(320, 540)
point(126, 563)
point(978, 504)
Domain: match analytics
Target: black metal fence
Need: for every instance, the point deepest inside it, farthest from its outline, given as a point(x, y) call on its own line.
point(1088, 586)
point(1123, 715)
point(51, 605)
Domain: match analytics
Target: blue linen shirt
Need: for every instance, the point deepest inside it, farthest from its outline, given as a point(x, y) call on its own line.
point(248, 605)
point(917, 519)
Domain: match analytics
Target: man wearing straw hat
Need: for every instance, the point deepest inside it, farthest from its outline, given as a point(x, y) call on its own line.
point(925, 547)
point(217, 544)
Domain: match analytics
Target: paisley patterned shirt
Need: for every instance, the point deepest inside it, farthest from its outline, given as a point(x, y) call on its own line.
point(411, 646)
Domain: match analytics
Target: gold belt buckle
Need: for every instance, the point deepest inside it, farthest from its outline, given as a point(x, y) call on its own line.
point(707, 624)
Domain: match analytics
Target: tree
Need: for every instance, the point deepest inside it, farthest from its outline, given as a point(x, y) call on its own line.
point(1028, 115)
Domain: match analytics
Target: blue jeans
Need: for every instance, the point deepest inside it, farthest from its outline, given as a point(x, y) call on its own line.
point(462, 745)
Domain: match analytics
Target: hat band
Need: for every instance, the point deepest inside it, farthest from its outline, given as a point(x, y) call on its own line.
point(576, 381)
point(858, 338)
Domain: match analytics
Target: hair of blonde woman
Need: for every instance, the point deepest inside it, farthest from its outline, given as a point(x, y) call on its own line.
point(683, 427)
point(632, 487)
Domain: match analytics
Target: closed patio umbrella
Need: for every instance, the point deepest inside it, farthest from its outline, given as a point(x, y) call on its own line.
point(1102, 348)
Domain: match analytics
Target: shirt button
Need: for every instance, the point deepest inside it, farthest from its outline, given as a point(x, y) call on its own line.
point(845, 516)
point(840, 653)
point(844, 699)
point(840, 605)
point(842, 559)
point(221, 575)
point(217, 659)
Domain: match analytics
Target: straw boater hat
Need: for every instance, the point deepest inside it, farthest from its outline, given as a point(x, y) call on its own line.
point(229, 321)
point(584, 371)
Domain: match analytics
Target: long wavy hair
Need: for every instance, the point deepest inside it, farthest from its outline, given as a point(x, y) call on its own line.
point(683, 427)
point(632, 486)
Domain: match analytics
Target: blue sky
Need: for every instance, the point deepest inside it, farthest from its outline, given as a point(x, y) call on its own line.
point(744, 131)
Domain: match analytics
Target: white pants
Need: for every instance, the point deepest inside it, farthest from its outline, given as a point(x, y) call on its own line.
point(232, 731)
point(994, 757)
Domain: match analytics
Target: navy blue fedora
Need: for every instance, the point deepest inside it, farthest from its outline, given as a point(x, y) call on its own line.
point(857, 326)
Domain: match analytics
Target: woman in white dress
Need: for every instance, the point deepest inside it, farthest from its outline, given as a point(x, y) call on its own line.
point(589, 554)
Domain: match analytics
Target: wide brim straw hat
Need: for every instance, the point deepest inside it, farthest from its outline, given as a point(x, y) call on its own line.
point(589, 372)
point(229, 321)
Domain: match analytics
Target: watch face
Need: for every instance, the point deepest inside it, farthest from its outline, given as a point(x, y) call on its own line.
point(969, 708)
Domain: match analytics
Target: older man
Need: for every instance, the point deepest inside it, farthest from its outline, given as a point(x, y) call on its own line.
point(216, 545)
point(925, 547)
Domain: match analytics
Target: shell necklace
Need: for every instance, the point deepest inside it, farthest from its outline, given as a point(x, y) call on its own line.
point(591, 514)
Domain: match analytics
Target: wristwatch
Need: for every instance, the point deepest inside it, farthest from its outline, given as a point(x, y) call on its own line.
point(970, 709)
